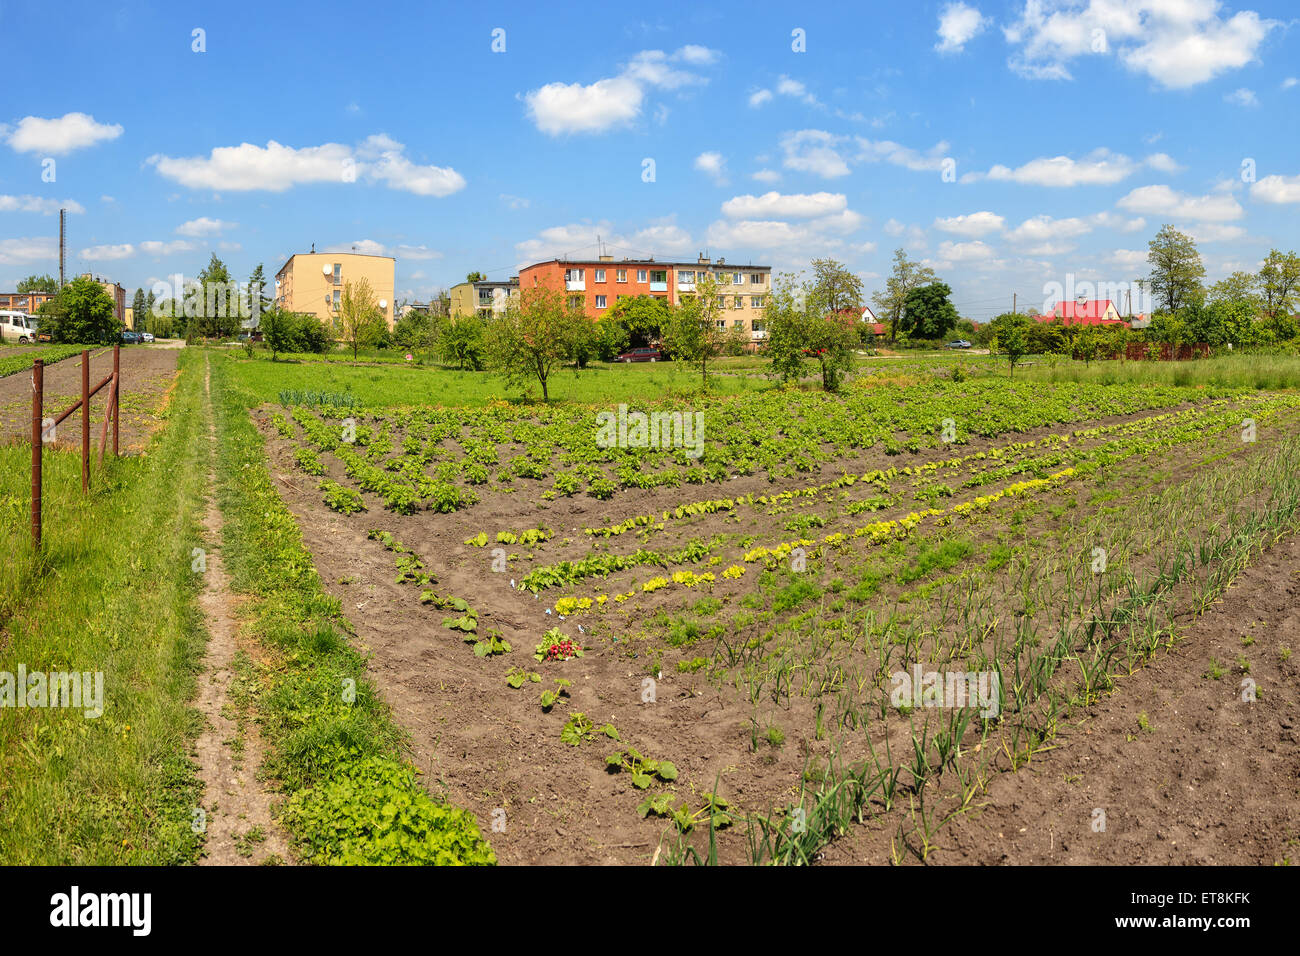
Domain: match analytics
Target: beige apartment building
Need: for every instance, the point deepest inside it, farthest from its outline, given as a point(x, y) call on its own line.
point(313, 282)
point(483, 298)
point(114, 292)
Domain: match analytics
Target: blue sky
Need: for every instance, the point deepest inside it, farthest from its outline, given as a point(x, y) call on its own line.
point(1015, 147)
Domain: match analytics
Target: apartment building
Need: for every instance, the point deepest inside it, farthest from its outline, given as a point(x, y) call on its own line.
point(27, 302)
point(595, 285)
point(484, 297)
point(312, 282)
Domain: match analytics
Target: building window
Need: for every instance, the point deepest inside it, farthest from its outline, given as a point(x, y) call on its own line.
point(600, 275)
point(737, 323)
point(740, 302)
point(659, 275)
point(337, 296)
point(621, 275)
point(686, 277)
point(640, 275)
point(757, 301)
point(756, 278)
point(338, 272)
point(737, 278)
point(575, 302)
point(600, 301)
point(574, 275)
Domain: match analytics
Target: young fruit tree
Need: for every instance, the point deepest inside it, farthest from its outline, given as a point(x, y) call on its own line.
point(529, 340)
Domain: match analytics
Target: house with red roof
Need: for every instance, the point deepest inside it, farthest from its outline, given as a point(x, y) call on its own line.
point(1084, 312)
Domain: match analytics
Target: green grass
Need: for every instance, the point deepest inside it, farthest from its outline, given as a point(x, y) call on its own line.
point(352, 797)
point(389, 385)
point(113, 592)
point(1231, 370)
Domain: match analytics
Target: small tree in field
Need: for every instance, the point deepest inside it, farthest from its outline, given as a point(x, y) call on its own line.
point(1013, 340)
point(530, 339)
point(359, 321)
point(801, 323)
point(693, 332)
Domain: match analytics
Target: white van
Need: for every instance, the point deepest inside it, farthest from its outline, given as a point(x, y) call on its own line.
point(17, 326)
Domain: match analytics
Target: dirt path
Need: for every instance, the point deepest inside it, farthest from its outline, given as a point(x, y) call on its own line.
point(1184, 770)
point(240, 829)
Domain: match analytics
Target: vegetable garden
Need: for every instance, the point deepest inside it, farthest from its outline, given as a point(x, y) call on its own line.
point(634, 654)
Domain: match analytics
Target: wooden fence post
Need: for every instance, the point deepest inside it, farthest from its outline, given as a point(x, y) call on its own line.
point(117, 380)
point(85, 420)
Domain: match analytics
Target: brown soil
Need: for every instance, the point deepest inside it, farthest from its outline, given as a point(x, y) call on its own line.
point(148, 374)
point(239, 825)
point(1212, 779)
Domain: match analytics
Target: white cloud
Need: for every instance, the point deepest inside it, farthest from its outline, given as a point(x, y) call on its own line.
point(108, 253)
point(884, 150)
point(1163, 162)
point(1277, 189)
point(372, 247)
point(1289, 82)
point(514, 202)
point(559, 108)
point(1177, 43)
point(759, 97)
point(713, 165)
point(203, 226)
point(787, 86)
point(662, 238)
point(46, 207)
point(1045, 229)
point(972, 226)
point(1127, 258)
point(959, 23)
point(56, 137)
point(766, 176)
point(1169, 203)
point(276, 167)
point(31, 249)
point(1214, 232)
point(1100, 167)
point(774, 205)
point(154, 247)
point(1243, 97)
point(814, 151)
point(976, 251)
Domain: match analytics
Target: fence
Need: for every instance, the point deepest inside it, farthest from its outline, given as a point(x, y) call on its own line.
point(41, 426)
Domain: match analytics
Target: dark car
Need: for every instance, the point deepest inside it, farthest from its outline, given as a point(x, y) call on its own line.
point(641, 355)
point(131, 338)
point(959, 344)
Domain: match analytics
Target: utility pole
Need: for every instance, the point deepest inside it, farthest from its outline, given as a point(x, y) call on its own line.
point(63, 220)
point(1013, 303)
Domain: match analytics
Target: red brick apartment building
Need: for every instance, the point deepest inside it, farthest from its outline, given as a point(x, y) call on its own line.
point(596, 284)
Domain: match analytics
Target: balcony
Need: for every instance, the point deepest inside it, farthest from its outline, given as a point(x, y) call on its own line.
point(575, 285)
point(658, 286)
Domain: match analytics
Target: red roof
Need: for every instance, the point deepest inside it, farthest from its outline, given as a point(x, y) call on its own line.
point(1082, 313)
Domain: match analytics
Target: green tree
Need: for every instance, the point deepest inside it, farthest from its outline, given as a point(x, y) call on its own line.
point(1279, 281)
point(837, 287)
point(140, 310)
point(1238, 287)
point(1176, 269)
point(359, 321)
point(1011, 337)
point(927, 313)
point(528, 340)
point(213, 306)
point(906, 276)
point(476, 277)
point(644, 316)
point(80, 313)
point(800, 323)
point(415, 330)
point(462, 342)
point(258, 300)
point(695, 331)
point(35, 283)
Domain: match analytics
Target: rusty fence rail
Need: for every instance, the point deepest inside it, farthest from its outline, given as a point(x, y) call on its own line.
point(43, 429)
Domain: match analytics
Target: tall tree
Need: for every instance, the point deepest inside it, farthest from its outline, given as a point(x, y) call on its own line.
point(801, 323)
point(1176, 269)
point(1279, 281)
point(80, 313)
point(906, 276)
point(927, 313)
point(258, 300)
point(214, 304)
point(360, 321)
point(836, 286)
point(139, 310)
point(1238, 287)
point(35, 283)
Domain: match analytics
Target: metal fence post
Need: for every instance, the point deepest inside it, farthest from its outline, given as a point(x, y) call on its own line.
point(38, 402)
point(117, 383)
point(85, 420)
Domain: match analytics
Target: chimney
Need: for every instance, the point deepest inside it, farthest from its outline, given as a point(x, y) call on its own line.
point(704, 260)
point(606, 258)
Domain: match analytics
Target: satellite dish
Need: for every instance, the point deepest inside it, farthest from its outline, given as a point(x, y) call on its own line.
point(326, 269)
point(383, 303)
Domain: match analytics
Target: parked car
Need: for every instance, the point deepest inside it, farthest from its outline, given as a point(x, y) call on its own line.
point(146, 337)
point(130, 338)
point(641, 355)
point(959, 344)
